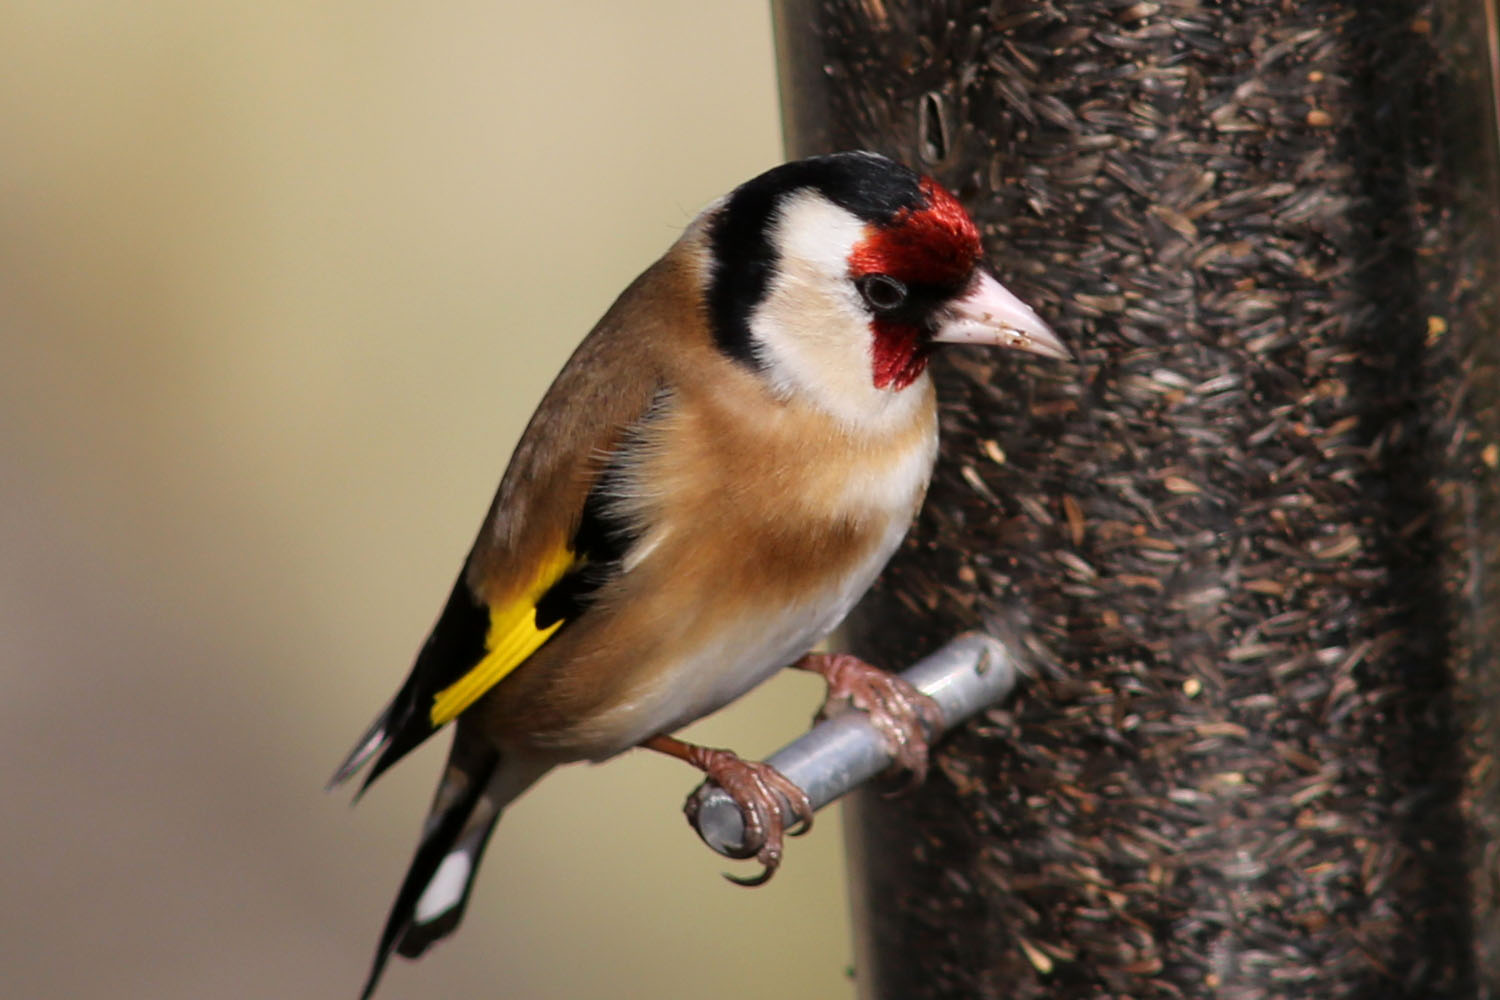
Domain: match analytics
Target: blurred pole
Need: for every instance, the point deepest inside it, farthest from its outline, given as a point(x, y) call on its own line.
point(1254, 532)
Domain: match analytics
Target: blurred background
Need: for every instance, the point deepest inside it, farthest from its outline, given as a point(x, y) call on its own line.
point(279, 285)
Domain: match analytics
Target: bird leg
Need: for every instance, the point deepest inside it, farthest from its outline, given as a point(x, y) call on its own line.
point(904, 716)
point(768, 801)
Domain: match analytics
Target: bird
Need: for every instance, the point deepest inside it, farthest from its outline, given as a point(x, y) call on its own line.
point(717, 474)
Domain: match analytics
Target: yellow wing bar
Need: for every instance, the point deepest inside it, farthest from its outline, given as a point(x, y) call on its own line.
point(513, 636)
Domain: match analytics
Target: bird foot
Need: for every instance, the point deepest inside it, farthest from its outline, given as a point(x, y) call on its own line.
point(771, 805)
point(905, 717)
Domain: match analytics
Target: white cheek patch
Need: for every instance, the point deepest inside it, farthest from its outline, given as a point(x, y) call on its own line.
point(813, 230)
point(811, 330)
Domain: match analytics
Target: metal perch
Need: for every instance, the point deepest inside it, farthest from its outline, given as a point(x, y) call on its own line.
point(967, 675)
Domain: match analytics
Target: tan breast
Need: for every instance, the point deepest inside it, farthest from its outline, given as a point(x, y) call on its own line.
point(762, 520)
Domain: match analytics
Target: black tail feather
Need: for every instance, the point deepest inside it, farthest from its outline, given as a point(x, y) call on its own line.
point(419, 936)
point(444, 829)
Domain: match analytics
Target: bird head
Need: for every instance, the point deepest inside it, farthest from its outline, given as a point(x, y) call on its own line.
point(835, 277)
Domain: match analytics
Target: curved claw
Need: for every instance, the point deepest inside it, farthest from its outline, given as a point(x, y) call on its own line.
point(904, 716)
point(767, 800)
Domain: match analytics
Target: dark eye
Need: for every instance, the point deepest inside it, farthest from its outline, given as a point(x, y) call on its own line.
point(883, 292)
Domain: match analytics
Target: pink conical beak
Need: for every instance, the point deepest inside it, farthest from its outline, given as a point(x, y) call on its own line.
point(989, 314)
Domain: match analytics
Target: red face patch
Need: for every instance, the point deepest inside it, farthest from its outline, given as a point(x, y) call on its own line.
point(935, 245)
point(899, 354)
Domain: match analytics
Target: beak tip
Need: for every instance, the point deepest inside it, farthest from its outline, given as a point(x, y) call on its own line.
point(1041, 341)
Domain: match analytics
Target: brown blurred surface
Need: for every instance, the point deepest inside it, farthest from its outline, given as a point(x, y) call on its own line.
point(279, 285)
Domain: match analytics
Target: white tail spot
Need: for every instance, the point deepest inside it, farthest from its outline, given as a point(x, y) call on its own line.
point(446, 888)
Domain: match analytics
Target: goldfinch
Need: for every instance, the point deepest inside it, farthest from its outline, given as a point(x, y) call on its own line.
point(718, 473)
